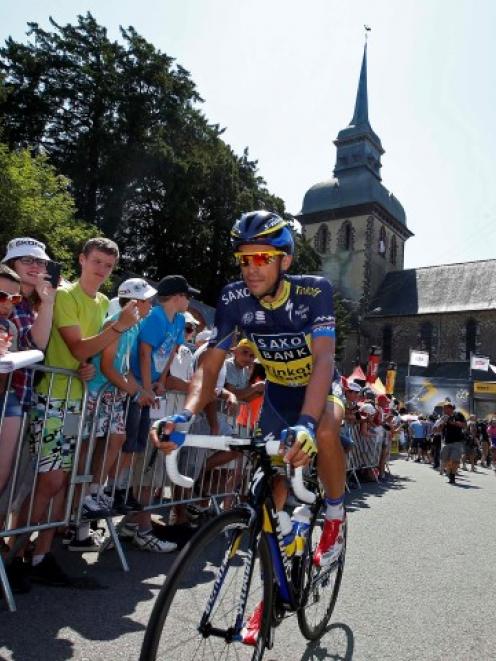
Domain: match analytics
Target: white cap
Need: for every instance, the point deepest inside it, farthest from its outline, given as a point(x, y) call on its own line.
point(204, 335)
point(367, 409)
point(25, 247)
point(189, 319)
point(353, 386)
point(136, 288)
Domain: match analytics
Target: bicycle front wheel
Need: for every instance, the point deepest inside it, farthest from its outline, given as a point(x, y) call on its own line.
point(196, 615)
point(320, 587)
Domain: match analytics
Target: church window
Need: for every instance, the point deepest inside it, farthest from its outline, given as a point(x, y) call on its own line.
point(387, 343)
point(322, 240)
point(426, 334)
point(382, 245)
point(393, 251)
point(346, 236)
point(471, 331)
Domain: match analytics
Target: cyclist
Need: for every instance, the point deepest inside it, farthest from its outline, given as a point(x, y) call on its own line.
point(290, 321)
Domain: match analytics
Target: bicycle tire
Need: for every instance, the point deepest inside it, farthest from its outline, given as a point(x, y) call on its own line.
point(172, 631)
point(320, 586)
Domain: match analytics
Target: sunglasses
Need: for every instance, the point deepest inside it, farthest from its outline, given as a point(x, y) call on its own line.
point(13, 298)
point(257, 258)
point(189, 329)
point(29, 261)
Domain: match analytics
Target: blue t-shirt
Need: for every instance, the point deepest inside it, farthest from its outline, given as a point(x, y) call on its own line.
point(162, 335)
point(418, 429)
point(121, 358)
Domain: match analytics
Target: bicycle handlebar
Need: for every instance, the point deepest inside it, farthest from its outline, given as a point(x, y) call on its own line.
point(272, 448)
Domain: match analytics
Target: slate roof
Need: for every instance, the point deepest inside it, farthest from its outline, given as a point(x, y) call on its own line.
point(436, 289)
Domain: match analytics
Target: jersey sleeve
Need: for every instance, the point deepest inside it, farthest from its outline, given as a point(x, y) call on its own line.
point(151, 331)
point(323, 322)
point(226, 321)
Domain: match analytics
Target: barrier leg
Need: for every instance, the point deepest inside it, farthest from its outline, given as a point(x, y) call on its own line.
point(117, 544)
point(7, 592)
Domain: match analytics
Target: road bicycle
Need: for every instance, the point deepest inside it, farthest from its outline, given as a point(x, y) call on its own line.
point(238, 560)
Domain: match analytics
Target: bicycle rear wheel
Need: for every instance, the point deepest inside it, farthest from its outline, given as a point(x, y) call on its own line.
point(320, 587)
point(178, 627)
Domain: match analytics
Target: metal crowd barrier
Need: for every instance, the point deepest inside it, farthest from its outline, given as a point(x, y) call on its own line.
point(18, 495)
point(364, 453)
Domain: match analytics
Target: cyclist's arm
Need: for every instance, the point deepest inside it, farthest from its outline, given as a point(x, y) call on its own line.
point(320, 381)
point(202, 387)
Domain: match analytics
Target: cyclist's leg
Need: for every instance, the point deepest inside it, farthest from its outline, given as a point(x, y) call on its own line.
point(332, 458)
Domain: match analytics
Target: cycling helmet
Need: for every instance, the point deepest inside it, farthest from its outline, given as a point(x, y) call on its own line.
point(260, 228)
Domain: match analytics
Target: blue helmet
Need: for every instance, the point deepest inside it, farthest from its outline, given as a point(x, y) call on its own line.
point(260, 228)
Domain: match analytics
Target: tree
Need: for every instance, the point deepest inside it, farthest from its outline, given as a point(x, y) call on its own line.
point(35, 202)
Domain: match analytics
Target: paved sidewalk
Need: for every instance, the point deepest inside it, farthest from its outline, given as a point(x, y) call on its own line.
point(419, 584)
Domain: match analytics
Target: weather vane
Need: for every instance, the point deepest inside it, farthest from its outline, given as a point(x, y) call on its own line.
point(367, 29)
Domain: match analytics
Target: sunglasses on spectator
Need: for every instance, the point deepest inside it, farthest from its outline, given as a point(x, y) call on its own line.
point(189, 328)
point(13, 298)
point(29, 261)
point(257, 258)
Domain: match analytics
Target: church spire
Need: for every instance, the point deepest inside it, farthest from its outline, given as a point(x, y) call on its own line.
point(361, 114)
point(359, 149)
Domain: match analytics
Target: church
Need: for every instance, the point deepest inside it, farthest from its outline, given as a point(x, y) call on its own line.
point(359, 229)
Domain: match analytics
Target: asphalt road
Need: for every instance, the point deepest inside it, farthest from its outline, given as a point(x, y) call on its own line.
point(419, 583)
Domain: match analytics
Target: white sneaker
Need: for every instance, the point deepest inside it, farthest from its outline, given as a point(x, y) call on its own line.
point(146, 541)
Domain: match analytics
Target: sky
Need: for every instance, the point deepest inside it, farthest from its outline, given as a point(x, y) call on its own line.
point(281, 77)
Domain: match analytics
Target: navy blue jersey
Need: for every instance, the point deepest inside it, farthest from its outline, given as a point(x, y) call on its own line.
point(281, 331)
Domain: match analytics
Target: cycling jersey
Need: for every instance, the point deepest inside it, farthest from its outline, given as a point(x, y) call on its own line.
point(281, 331)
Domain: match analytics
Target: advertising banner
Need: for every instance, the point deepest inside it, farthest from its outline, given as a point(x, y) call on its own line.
point(424, 394)
point(419, 358)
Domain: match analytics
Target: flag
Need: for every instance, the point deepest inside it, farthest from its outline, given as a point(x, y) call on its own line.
point(419, 358)
point(479, 363)
point(390, 381)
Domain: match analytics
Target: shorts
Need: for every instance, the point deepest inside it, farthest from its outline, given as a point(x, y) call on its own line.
point(137, 428)
point(111, 414)
point(452, 452)
point(282, 405)
point(13, 408)
point(54, 439)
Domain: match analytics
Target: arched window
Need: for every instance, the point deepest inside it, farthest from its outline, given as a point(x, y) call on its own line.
point(382, 245)
point(322, 240)
point(426, 333)
point(393, 251)
point(470, 338)
point(346, 236)
point(387, 343)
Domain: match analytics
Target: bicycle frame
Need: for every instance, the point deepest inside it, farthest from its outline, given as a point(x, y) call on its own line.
point(262, 519)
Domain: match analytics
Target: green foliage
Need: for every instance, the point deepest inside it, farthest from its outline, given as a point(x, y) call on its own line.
point(343, 324)
point(34, 201)
point(121, 121)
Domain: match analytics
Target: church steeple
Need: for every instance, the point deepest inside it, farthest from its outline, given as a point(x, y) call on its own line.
point(359, 149)
point(361, 114)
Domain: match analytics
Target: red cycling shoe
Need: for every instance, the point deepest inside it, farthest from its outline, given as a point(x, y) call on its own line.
point(331, 543)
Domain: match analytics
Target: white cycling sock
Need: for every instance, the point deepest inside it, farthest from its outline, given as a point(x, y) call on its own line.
point(335, 508)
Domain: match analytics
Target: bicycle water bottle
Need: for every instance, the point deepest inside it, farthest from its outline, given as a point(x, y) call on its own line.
point(301, 524)
point(288, 534)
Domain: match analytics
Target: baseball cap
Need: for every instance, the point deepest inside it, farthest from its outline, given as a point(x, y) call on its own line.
point(189, 319)
point(25, 247)
point(367, 409)
point(136, 288)
point(204, 335)
point(175, 284)
point(351, 385)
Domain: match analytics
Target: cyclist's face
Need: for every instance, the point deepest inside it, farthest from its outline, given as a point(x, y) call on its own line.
point(262, 278)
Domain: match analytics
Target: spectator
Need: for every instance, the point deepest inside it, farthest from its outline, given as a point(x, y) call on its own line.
point(10, 420)
point(33, 315)
point(238, 368)
point(181, 369)
point(484, 443)
point(436, 441)
point(452, 425)
point(491, 432)
point(161, 333)
point(417, 435)
point(471, 443)
point(112, 366)
point(76, 336)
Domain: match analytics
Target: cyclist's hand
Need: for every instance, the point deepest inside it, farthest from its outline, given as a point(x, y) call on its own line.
point(164, 446)
point(301, 438)
point(180, 422)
